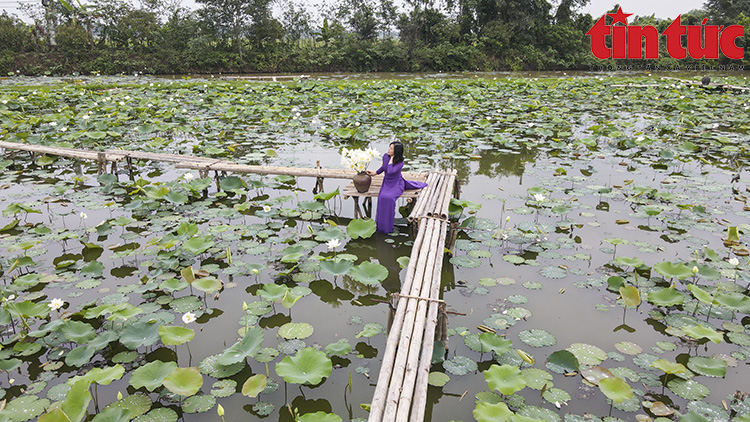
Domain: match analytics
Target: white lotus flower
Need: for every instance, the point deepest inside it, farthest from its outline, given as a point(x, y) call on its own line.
point(538, 197)
point(333, 243)
point(188, 317)
point(83, 216)
point(734, 261)
point(56, 304)
point(266, 208)
point(188, 176)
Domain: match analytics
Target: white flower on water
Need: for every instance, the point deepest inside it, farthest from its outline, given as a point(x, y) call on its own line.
point(188, 176)
point(63, 129)
point(188, 317)
point(734, 261)
point(266, 208)
point(85, 117)
point(56, 304)
point(333, 243)
point(5, 101)
point(53, 124)
point(83, 215)
point(538, 197)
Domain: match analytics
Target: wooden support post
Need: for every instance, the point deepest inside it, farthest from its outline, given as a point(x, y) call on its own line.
point(101, 161)
point(216, 178)
point(367, 204)
point(452, 237)
point(32, 157)
point(129, 159)
point(357, 210)
point(113, 169)
point(457, 189)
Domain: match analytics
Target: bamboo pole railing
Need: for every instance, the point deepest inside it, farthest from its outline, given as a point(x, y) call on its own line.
point(400, 393)
point(191, 162)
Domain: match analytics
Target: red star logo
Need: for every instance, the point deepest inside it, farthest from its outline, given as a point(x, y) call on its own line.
point(620, 16)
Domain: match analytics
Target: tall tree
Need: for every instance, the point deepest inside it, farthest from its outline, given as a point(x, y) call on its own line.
point(727, 11)
point(233, 18)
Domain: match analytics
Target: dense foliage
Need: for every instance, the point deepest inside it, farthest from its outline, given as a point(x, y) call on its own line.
point(111, 36)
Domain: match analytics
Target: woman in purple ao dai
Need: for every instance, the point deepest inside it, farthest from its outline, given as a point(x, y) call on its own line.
point(393, 186)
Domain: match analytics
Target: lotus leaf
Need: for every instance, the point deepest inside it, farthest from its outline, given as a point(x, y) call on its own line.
point(184, 381)
point(702, 295)
point(667, 296)
point(224, 388)
point(198, 404)
point(669, 270)
point(737, 302)
point(80, 356)
point(489, 412)
point(77, 331)
point(438, 379)
point(308, 366)
point(708, 366)
point(273, 292)
point(340, 348)
point(506, 379)
point(359, 228)
point(556, 396)
point(465, 261)
point(596, 374)
point(25, 408)
point(175, 335)
point(208, 285)
point(553, 272)
point(320, 416)
point(198, 245)
point(369, 273)
point(263, 408)
point(299, 330)
point(537, 338)
point(134, 405)
point(370, 330)
point(336, 266)
point(139, 334)
point(587, 354)
point(161, 414)
point(537, 379)
point(152, 374)
point(631, 296)
point(616, 389)
point(254, 385)
point(700, 331)
point(101, 376)
point(211, 367)
point(460, 365)
point(688, 389)
point(562, 362)
point(239, 351)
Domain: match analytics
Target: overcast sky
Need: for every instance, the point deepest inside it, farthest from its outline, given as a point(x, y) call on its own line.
point(661, 8)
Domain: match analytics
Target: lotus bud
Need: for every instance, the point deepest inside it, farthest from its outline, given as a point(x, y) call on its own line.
point(507, 219)
point(695, 269)
point(220, 410)
point(119, 395)
point(244, 305)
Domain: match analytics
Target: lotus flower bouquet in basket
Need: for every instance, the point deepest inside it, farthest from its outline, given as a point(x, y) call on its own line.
point(358, 160)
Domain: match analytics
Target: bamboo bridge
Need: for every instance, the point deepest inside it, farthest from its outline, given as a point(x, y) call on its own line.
point(401, 390)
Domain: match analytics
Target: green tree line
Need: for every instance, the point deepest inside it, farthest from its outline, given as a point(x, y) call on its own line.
point(244, 36)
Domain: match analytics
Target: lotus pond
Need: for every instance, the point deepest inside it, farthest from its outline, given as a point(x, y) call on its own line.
point(600, 272)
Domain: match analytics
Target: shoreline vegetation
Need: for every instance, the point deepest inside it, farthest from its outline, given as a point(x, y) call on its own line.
point(259, 36)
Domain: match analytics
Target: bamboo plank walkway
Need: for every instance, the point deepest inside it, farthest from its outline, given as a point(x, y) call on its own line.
point(401, 391)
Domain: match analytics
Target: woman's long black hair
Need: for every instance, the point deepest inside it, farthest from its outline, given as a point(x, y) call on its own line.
point(398, 152)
